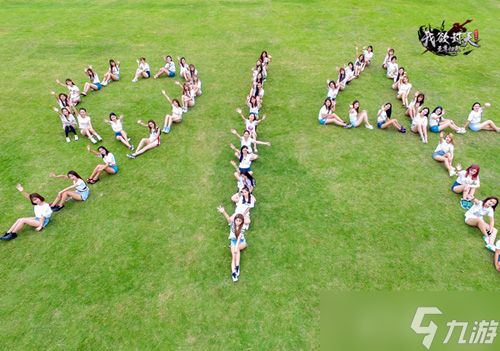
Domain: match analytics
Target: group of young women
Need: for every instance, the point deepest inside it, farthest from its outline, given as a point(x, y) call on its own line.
point(67, 110)
point(244, 199)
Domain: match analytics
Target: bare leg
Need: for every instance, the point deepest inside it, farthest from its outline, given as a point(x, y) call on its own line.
point(21, 222)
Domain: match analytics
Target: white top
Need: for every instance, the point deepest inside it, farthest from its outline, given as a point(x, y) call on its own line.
point(332, 92)
point(392, 70)
point(170, 66)
point(251, 126)
point(248, 143)
point(183, 68)
point(368, 55)
point(83, 122)
point(80, 185)
point(386, 59)
point(382, 116)
point(241, 207)
point(323, 112)
point(478, 211)
point(115, 70)
point(434, 120)
point(444, 146)
point(475, 117)
point(177, 111)
point(116, 125)
point(95, 80)
point(74, 92)
point(241, 183)
point(348, 72)
point(353, 116)
point(109, 159)
point(246, 162)
point(467, 180)
point(418, 119)
point(154, 135)
point(144, 66)
point(404, 88)
point(254, 110)
point(43, 211)
point(232, 235)
point(69, 121)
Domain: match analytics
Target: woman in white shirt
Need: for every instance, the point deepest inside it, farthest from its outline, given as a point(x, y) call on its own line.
point(95, 83)
point(404, 90)
point(356, 117)
point(416, 104)
point(243, 179)
point(245, 157)
point(42, 215)
point(188, 96)
point(359, 63)
point(183, 67)
point(116, 124)
point(175, 116)
point(475, 218)
point(147, 143)
point(445, 152)
point(109, 166)
point(68, 122)
point(62, 100)
point(79, 191)
point(475, 116)
point(368, 52)
point(392, 68)
point(251, 123)
point(74, 91)
point(437, 123)
point(384, 118)
point(236, 239)
point(350, 73)
point(399, 78)
point(112, 74)
point(333, 91)
point(143, 70)
point(244, 201)
point(196, 86)
point(466, 184)
point(85, 125)
point(326, 115)
point(342, 78)
point(168, 69)
point(248, 141)
point(388, 57)
point(253, 104)
point(419, 124)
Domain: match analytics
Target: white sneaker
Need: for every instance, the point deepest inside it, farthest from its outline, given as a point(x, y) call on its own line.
point(68, 140)
point(134, 80)
point(104, 84)
point(452, 172)
point(489, 247)
point(99, 138)
point(93, 140)
point(461, 131)
point(76, 137)
point(184, 110)
point(369, 127)
point(234, 276)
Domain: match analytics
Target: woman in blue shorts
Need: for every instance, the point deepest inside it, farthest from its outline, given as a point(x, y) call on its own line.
point(437, 123)
point(168, 69)
point(327, 116)
point(237, 240)
point(113, 73)
point(116, 124)
point(40, 221)
point(109, 165)
point(79, 191)
point(142, 71)
point(95, 83)
point(474, 120)
point(444, 152)
point(384, 118)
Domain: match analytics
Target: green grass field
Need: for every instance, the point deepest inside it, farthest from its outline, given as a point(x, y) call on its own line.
point(144, 264)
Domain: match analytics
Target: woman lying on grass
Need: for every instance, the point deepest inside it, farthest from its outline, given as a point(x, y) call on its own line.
point(236, 239)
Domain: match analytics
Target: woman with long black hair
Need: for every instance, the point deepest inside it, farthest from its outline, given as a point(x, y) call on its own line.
point(78, 191)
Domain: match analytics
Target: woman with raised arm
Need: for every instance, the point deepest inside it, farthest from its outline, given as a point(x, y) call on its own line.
point(404, 90)
point(474, 120)
point(251, 123)
point(244, 201)
point(257, 90)
point(196, 86)
point(392, 68)
point(188, 97)
point(236, 239)
point(112, 74)
point(175, 116)
point(74, 91)
point(245, 158)
point(356, 117)
point(445, 152)
point(419, 124)
point(368, 52)
point(95, 83)
point(265, 58)
point(142, 71)
point(109, 166)
point(387, 58)
point(359, 63)
point(85, 125)
point(415, 105)
point(168, 69)
point(437, 123)
point(116, 124)
point(243, 179)
point(349, 72)
point(466, 184)
point(398, 79)
point(191, 72)
point(68, 122)
point(248, 141)
point(79, 191)
point(333, 91)
point(326, 115)
point(147, 143)
point(253, 104)
point(62, 100)
point(384, 118)
point(183, 67)
point(40, 221)
point(475, 218)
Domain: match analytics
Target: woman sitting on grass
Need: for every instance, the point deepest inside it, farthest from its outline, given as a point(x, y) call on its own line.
point(326, 115)
point(245, 158)
point(333, 90)
point(253, 104)
point(444, 152)
point(175, 116)
point(356, 117)
point(79, 191)
point(168, 69)
point(85, 125)
point(243, 179)
point(466, 184)
point(244, 201)
point(248, 141)
point(188, 96)
point(384, 118)
point(147, 143)
point(415, 105)
point(74, 91)
point(392, 68)
point(437, 123)
point(387, 58)
point(474, 120)
point(404, 90)
point(251, 123)
point(475, 218)
point(68, 122)
point(62, 100)
point(40, 221)
point(112, 74)
point(142, 71)
point(237, 240)
point(116, 124)
point(95, 83)
point(109, 165)
point(419, 124)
